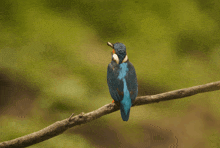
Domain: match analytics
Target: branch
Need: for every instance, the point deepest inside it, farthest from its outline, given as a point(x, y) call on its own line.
point(61, 126)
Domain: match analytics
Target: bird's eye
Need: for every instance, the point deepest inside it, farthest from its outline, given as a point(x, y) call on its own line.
point(113, 51)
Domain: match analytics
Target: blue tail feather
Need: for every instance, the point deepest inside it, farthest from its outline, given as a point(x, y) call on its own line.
point(124, 114)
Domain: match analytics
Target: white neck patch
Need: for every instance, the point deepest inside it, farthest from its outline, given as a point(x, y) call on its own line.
point(115, 58)
point(125, 59)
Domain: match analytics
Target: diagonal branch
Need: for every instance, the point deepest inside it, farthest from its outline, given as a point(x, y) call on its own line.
point(61, 126)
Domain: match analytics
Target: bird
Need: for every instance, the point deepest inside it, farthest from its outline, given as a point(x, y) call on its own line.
point(122, 79)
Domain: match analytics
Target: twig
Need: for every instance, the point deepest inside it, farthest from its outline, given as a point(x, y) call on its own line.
point(61, 126)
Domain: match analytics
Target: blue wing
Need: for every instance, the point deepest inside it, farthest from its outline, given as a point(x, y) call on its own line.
point(115, 85)
point(131, 80)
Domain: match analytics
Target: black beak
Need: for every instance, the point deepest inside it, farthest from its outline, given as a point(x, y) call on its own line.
point(110, 44)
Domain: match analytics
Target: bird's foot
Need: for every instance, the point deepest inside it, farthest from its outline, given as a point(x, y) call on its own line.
point(113, 101)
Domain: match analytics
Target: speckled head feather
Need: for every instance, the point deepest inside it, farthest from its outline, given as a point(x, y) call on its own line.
point(120, 50)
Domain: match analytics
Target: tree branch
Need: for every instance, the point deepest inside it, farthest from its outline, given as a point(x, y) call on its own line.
point(61, 126)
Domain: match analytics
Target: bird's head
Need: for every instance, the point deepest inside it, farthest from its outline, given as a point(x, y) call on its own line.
point(119, 54)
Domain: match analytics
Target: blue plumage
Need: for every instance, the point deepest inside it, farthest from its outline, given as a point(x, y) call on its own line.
point(122, 79)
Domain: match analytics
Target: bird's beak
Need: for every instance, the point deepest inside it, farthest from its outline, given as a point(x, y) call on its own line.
point(110, 44)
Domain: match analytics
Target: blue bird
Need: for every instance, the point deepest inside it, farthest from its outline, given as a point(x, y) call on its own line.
point(122, 79)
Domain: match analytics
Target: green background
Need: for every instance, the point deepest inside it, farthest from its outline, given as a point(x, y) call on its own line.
point(54, 57)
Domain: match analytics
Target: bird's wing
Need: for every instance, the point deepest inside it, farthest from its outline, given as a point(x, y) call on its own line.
point(131, 80)
point(115, 85)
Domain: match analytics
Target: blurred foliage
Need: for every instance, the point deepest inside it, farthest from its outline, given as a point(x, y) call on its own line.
point(53, 60)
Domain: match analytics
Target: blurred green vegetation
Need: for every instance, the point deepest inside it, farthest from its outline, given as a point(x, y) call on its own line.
point(54, 57)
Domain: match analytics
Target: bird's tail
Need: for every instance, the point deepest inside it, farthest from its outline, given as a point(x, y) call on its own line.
point(124, 113)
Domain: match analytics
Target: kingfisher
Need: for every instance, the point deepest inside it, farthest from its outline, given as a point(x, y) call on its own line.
point(122, 79)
